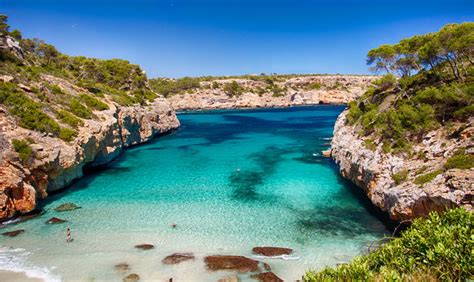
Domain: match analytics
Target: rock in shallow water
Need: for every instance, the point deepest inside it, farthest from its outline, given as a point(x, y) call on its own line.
point(67, 207)
point(177, 258)
point(13, 233)
point(233, 278)
point(145, 246)
point(271, 251)
point(132, 278)
point(267, 277)
point(236, 263)
point(122, 267)
point(55, 220)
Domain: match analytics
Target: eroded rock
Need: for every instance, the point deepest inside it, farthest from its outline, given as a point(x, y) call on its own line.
point(178, 258)
point(144, 247)
point(133, 277)
point(267, 277)
point(122, 267)
point(55, 220)
point(13, 233)
point(235, 263)
point(271, 251)
point(67, 207)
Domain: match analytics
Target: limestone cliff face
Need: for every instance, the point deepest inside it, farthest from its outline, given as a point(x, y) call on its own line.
point(304, 90)
point(373, 170)
point(56, 164)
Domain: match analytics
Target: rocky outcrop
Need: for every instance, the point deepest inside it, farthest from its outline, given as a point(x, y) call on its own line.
point(304, 90)
point(374, 171)
point(55, 164)
point(178, 258)
point(235, 263)
point(271, 251)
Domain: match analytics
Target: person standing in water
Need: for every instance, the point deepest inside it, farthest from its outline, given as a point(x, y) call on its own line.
point(68, 235)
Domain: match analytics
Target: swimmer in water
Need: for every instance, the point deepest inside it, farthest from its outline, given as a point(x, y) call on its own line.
point(68, 235)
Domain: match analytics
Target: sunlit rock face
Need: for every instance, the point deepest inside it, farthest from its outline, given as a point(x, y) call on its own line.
point(304, 90)
point(373, 171)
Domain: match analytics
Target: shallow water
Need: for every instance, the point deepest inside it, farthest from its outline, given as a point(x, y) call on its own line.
point(230, 180)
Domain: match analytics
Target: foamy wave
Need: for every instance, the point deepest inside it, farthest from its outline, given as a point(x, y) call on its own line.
point(283, 257)
point(16, 260)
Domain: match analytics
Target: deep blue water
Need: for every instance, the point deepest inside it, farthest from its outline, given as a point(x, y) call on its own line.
point(230, 180)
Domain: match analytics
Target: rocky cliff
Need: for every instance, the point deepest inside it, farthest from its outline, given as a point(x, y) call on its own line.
point(277, 91)
point(55, 164)
point(393, 182)
point(60, 115)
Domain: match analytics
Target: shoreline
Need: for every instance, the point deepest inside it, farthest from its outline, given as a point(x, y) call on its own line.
point(8, 275)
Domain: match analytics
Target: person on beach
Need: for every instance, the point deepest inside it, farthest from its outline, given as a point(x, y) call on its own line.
point(68, 235)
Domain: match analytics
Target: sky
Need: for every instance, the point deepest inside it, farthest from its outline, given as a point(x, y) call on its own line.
point(177, 38)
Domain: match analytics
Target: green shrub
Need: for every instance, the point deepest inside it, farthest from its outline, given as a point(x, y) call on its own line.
point(55, 89)
point(436, 248)
point(69, 118)
point(400, 176)
point(369, 144)
point(79, 109)
point(22, 147)
point(460, 160)
point(67, 134)
point(29, 112)
point(93, 103)
point(425, 178)
point(233, 89)
point(314, 86)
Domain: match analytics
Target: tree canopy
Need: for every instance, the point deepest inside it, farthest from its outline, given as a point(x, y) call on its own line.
point(452, 47)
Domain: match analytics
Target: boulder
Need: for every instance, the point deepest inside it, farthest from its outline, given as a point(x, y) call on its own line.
point(145, 247)
point(67, 207)
point(326, 153)
point(235, 263)
point(266, 277)
point(131, 278)
point(232, 278)
point(122, 267)
point(177, 258)
point(13, 233)
point(55, 220)
point(271, 251)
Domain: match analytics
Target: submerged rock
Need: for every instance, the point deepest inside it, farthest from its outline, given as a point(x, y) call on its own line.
point(267, 266)
point(67, 207)
point(55, 220)
point(145, 246)
point(122, 267)
point(271, 251)
point(236, 263)
point(267, 277)
point(232, 278)
point(13, 233)
point(177, 258)
point(131, 278)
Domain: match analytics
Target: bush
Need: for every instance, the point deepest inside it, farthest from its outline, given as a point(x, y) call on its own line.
point(22, 147)
point(233, 89)
point(93, 103)
point(460, 160)
point(80, 110)
point(69, 118)
point(400, 176)
point(439, 247)
point(67, 134)
point(425, 178)
point(29, 112)
point(314, 86)
point(369, 144)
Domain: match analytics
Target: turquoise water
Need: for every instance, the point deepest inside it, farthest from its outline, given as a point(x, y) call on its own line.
point(229, 180)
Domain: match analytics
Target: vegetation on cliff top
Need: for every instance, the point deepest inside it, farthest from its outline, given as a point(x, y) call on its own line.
point(32, 92)
point(435, 89)
point(436, 248)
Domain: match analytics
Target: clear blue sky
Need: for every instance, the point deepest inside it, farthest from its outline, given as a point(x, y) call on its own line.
point(178, 38)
